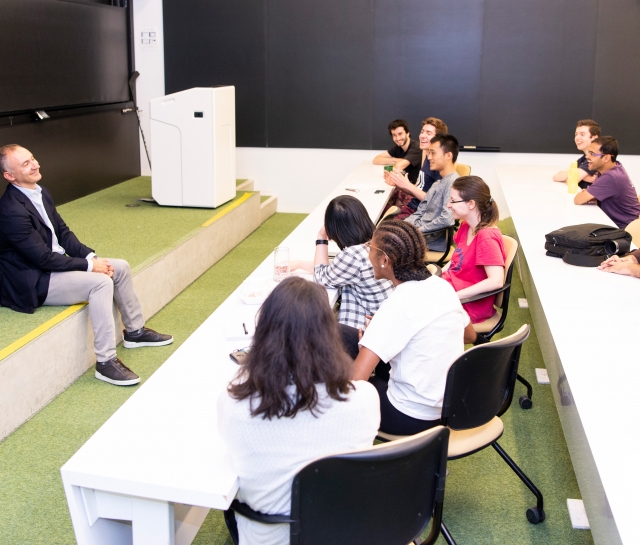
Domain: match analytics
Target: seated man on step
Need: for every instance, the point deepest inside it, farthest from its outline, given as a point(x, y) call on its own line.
point(43, 263)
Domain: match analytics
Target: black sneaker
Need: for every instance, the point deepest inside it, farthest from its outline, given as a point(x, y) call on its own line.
point(116, 372)
point(145, 337)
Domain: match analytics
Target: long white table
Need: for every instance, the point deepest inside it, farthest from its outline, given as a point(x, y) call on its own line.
point(587, 322)
point(151, 473)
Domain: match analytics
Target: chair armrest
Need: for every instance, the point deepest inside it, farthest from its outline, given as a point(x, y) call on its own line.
point(434, 269)
point(484, 295)
point(442, 230)
point(246, 511)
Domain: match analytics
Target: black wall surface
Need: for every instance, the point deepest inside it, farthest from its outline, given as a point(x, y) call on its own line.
point(80, 155)
point(62, 53)
point(332, 74)
point(59, 55)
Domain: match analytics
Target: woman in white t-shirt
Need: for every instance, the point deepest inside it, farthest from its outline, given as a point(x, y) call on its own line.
point(292, 401)
point(419, 330)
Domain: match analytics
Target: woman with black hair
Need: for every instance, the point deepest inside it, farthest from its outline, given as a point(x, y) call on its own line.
point(419, 330)
point(292, 401)
point(347, 222)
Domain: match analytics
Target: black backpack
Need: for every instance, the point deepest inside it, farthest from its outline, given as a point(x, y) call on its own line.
point(588, 244)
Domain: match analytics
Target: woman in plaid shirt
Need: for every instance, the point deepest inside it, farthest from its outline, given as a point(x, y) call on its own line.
point(347, 222)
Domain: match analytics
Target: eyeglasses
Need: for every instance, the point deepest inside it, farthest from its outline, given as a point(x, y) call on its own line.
point(368, 247)
point(592, 154)
point(451, 201)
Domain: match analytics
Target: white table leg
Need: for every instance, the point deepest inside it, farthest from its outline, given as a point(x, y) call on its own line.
point(153, 522)
point(108, 518)
point(94, 532)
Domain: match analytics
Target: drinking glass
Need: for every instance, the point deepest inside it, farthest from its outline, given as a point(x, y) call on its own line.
point(280, 263)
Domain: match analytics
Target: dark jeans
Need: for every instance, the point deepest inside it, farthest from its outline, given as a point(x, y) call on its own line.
point(232, 525)
point(392, 420)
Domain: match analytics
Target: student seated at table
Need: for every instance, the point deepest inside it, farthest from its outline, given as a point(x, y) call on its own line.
point(293, 400)
point(613, 190)
point(347, 222)
point(419, 330)
point(433, 215)
point(427, 177)
point(627, 265)
point(477, 265)
point(405, 156)
point(587, 130)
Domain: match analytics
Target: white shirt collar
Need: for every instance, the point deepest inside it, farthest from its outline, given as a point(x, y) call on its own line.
point(31, 193)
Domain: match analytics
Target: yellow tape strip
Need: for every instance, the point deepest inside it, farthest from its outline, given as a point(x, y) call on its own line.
point(39, 330)
point(227, 209)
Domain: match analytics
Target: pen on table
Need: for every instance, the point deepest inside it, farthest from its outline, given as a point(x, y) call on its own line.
point(245, 328)
point(349, 189)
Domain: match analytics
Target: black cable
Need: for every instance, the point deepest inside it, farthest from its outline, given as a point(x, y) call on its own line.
point(132, 80)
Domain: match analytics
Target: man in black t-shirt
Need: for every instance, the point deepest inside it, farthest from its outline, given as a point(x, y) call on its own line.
point(405, 154)
point(587, 130)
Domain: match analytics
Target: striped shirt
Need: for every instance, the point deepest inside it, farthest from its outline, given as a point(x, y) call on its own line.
point(362, 294)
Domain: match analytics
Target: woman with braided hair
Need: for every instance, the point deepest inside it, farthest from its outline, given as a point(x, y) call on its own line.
point(419, 330)
point(477, 265)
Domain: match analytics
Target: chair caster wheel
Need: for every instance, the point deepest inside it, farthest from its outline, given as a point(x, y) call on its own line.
point(534, 516)
point(525, 402)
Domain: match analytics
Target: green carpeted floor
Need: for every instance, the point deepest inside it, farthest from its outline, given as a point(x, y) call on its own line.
point(485, 503)
point(103, 221)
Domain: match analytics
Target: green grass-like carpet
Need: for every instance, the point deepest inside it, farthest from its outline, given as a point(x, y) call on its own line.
point(103, 221)
point(485, 502)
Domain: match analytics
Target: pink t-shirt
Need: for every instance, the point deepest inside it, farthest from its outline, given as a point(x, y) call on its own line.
point(468, 263)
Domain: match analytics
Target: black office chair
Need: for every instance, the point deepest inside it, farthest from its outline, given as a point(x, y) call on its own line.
point(479, 390)
point(386, 495)
point(495, 323)
point(440, 258)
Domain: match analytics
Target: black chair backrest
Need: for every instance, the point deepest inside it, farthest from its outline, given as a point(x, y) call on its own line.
point(480, 383)
point(385, 494)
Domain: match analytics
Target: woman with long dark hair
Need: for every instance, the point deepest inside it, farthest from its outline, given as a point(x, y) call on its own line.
point(477, 265)
point(419, 331)
point(292, 401)
point(347, 222)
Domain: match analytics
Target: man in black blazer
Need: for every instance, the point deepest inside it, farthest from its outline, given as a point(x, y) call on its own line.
point(43, 263)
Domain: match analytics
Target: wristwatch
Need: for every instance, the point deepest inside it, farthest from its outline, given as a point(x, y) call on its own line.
point(321, 241)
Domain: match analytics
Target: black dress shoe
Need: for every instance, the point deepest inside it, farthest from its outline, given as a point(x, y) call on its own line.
point(116, 372)
point(145, 337)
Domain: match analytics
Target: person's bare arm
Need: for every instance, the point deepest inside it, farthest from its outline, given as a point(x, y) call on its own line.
point(494, 280)
point(364, 364)
point(470, 334)
point(384, 159)
point(322, 250)
point(584, 197)
point(561, 176)
point(401, 164)
point(303, 265)
point(617, 259)
point(625, 268)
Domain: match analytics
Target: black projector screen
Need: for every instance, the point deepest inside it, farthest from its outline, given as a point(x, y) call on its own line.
point(57, 53)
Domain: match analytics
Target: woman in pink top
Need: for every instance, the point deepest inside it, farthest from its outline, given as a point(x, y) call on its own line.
point(477, 265)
